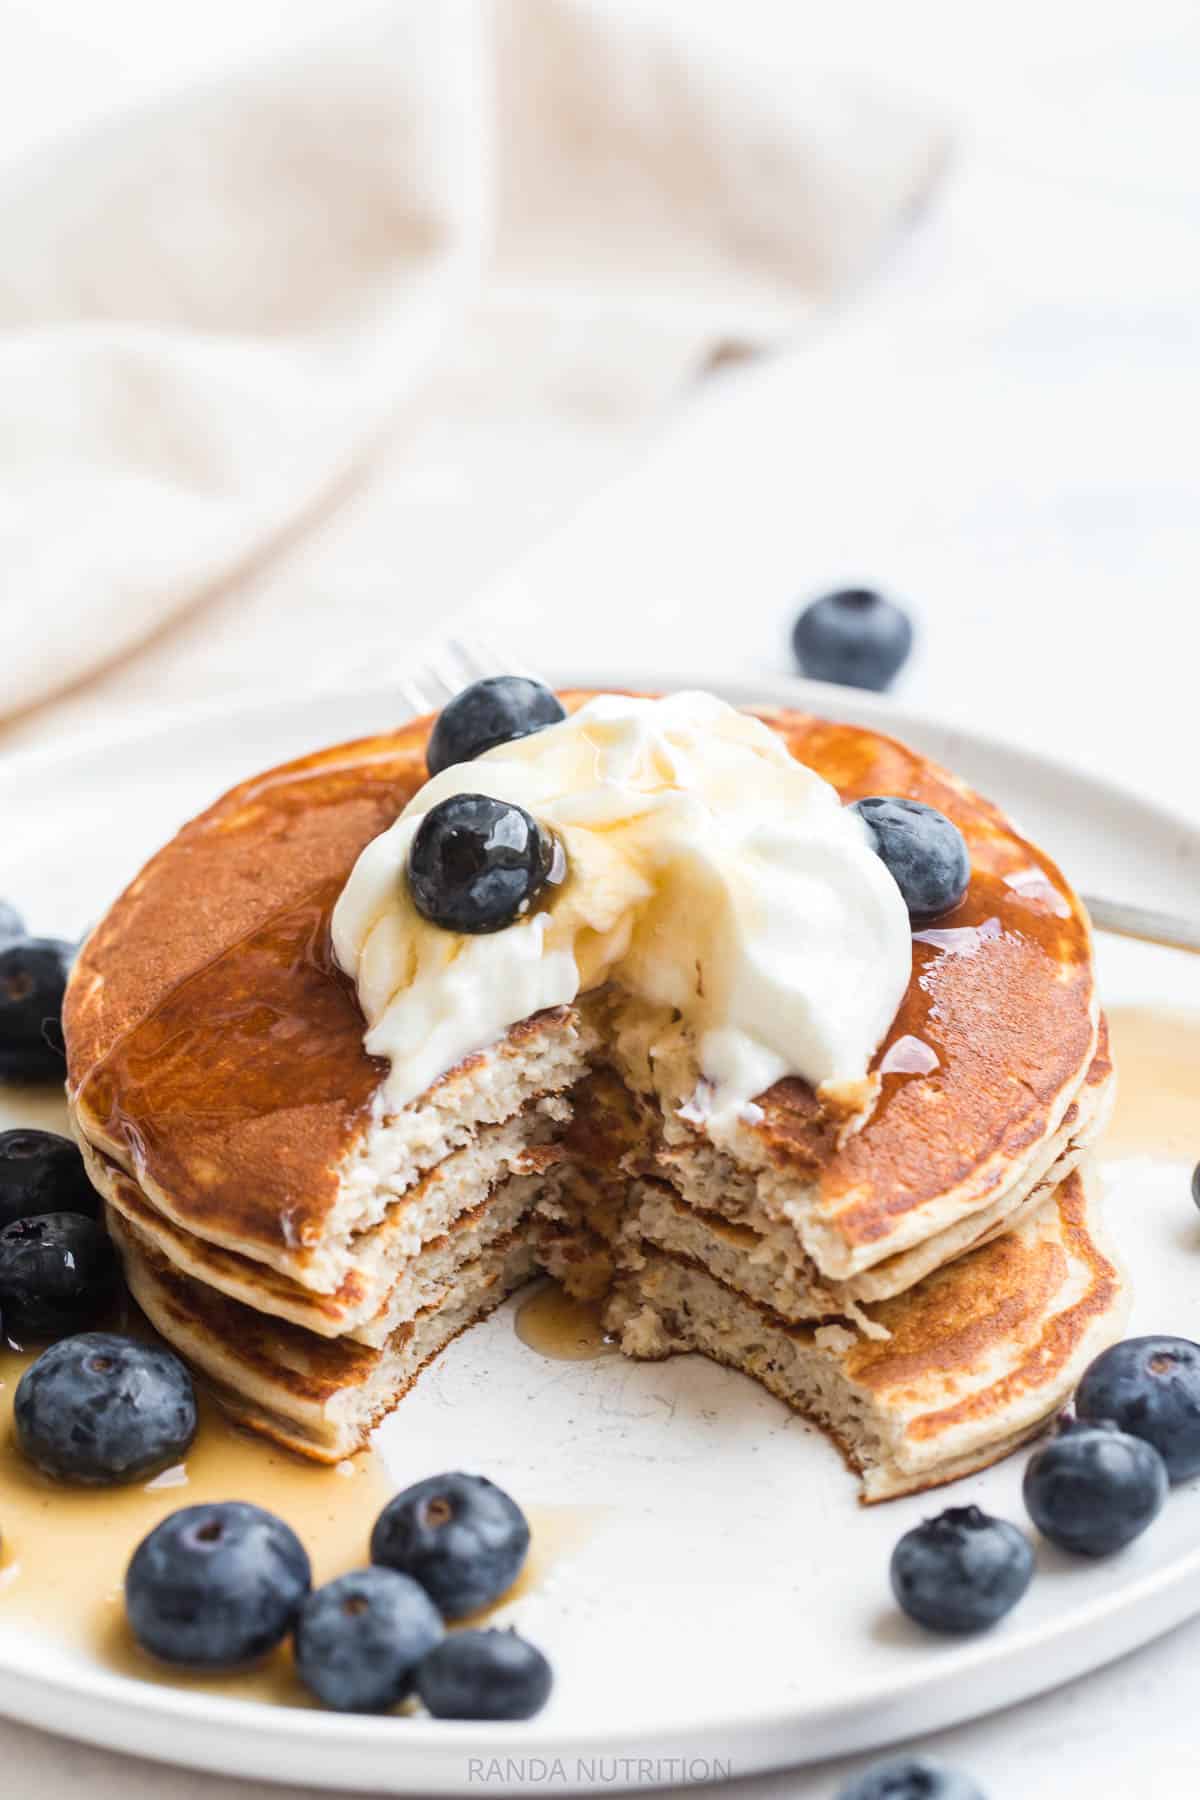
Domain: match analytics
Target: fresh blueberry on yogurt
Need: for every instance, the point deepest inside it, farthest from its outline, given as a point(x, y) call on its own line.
point(476, 864)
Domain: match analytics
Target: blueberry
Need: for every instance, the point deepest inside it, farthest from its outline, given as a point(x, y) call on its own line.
point(476, 864)
point(217, 1586)
point(33, 980)
point(99, 1409)
point(961, 1571)
point(41, 1172)
point(1196, 1184)
point(854, 636)
point(484, 1675)
point(12, 925)
point(1150, 1387)
point(924, 852)
point(58, 1273)
point(911, 1778)
point(460, 1536)
point(488, 713)
point(1093, 1488)
point(359, 1639)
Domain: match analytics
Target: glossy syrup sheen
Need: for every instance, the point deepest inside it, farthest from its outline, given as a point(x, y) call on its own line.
point(266, 1037)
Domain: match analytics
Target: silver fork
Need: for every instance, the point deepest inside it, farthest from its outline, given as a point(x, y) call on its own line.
point(453, 665)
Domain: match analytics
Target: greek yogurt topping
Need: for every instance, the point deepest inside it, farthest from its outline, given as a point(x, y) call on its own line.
point(707, 871)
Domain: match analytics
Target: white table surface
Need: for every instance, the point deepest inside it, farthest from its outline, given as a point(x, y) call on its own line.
point(1001, 430)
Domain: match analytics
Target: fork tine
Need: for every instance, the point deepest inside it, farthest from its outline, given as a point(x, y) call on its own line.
point(414, 696)
point(443, 671)
point(482, 658)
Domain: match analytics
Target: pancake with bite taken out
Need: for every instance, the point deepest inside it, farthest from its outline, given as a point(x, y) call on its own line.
point(228, 1109)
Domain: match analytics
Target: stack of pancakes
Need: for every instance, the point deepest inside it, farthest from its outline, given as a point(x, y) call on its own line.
point(927, 1283)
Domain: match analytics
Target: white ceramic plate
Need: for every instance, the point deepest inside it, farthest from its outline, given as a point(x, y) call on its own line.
point(728, 1610)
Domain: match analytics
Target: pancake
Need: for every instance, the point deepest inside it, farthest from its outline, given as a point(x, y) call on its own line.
point(216, 1055)
point(309, 1249)
point(975, 1359)
point(977, 1356)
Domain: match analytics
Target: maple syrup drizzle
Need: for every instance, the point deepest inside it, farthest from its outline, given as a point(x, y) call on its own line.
point(551, 1322)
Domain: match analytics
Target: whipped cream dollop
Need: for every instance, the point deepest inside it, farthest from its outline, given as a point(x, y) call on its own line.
point(708, 872)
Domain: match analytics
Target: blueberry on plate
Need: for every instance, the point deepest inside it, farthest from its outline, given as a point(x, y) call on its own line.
point(854, 636)
point(41, 1172)
point(484, 1675)
point(910, 1778)
point(1196, 1184)
point(961, 1571)
point(476, 864)
point(359, 1639)
point(12, 925)
point(924, 852)
point(33, 980)
point(1150, 1387)
point(58, 1273)
point(1093, 1488)
point(216, 1586)
point(460, 1536)
point(100, 1408)
point(490, 712)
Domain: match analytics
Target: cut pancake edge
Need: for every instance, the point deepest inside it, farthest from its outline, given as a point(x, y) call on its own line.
point(320, 1398)
point(978, 1357)
point(524, 1165)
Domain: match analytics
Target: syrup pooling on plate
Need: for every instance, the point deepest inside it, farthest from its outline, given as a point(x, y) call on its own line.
point(556, 1325)
point(64, 1550)
point(1157, 1054)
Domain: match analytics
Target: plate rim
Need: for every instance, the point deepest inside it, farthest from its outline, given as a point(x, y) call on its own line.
point(850, 704)
point(1042, 1655)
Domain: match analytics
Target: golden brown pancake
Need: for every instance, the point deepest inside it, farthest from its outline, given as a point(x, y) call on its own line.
point(216, 1054)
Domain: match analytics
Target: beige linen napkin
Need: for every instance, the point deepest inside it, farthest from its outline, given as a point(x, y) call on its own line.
point(220, 312)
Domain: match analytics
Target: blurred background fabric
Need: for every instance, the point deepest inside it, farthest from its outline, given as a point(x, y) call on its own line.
point(227, 310)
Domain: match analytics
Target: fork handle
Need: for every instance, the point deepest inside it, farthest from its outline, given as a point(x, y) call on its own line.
point(1142, 922)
